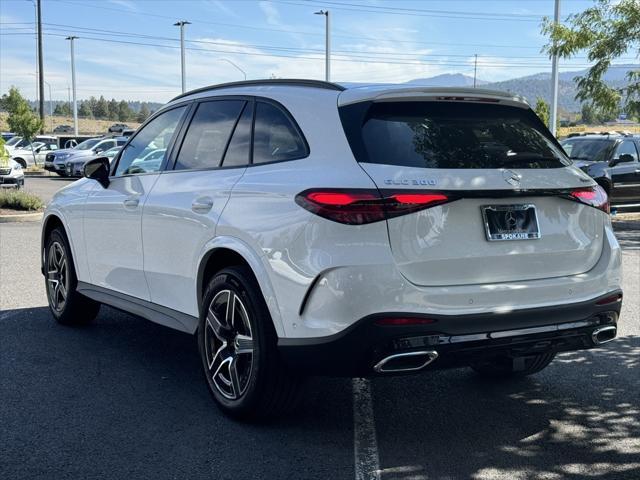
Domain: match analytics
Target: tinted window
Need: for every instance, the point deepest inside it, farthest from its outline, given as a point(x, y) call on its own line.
point(87, 144)
point(450, 135)
point(240, 145)
point(627, 147)
point(208, 133)
point(275, 138)
point(141, 154)
point(590, 149)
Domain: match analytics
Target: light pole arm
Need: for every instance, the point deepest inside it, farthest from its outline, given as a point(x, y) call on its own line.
point(236, 66)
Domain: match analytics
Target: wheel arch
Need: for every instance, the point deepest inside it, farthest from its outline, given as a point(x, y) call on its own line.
point(49, 223)
point(21, 161)
point(227, 252)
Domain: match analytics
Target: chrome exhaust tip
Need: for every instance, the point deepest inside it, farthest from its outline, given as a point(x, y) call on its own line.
point(405, 362)
point(603, 334)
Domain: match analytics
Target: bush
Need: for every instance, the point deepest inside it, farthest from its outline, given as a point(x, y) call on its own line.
point(19, 200)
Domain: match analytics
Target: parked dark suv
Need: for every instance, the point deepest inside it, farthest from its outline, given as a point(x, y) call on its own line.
point(612, 161)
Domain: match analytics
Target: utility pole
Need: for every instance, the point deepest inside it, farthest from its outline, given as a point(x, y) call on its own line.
point(40, 62)
point(181, 24)
point(475, 70)
point(327, 54)
point(554, 77)
point(73, 86)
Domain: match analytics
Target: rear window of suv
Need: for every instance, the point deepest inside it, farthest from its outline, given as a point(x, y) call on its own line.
point(449, 135)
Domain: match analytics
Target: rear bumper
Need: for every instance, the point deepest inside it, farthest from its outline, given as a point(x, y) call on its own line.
point(457, 340)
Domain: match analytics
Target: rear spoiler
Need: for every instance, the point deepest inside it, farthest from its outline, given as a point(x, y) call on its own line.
point(382, 93)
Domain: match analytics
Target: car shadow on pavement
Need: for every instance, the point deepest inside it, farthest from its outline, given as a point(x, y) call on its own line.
point(125, 398)
point(578, 418)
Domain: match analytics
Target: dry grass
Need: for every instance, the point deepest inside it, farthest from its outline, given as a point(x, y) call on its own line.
point(564, 131)
point(86, 126)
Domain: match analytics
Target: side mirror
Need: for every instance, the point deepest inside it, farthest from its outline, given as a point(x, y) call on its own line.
point(37, 150)
point(624, 158)
point(98, 169)
point(98, 150)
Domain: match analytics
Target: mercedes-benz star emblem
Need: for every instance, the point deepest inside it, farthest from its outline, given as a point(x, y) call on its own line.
point(510, 220)
point(511, 177)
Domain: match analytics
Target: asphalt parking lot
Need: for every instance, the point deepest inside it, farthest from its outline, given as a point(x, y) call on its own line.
point(124, 398)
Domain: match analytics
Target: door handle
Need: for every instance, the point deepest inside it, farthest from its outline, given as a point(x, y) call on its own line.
point(131, 202)
point(202, 204)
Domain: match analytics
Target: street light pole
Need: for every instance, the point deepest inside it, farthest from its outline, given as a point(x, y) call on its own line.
point(73, 86)
point(475, 70)
point(554, 77)
point(40, 63)
point(181, 24)
point(232, 63)
point(327, 54)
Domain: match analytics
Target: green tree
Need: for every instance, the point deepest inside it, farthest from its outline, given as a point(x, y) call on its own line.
point(85, 109)
point(22, 120)
point(10, 101)
point(588, 114)
point(102, 108)
point(124, 112)
point(143, 113)
point(62, 109)
point(607, 31)
point(114, 109)
point(542, 110)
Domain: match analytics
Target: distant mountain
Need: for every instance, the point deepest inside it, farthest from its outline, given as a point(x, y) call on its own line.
point(447, 80)
point(533, 86)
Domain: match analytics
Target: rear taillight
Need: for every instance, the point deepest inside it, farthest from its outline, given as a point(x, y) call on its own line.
point(592, 196)
point(360, 206)
point(610, 299)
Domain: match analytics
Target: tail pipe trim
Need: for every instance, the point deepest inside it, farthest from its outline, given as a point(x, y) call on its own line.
point(603, 334)
point(405, 362)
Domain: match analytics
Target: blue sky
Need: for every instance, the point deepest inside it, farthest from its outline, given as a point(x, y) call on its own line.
point(372, 40)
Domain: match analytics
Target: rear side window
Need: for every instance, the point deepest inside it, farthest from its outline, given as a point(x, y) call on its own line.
point(206, 139)
point(591, 150)
point(275, 137)
point(627, 147)
point(239, 147)
point(449, 135)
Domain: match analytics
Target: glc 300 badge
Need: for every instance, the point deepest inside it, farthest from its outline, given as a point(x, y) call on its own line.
point(414, 181)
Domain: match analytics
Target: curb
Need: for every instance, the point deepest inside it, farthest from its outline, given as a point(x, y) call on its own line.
point(21, 218)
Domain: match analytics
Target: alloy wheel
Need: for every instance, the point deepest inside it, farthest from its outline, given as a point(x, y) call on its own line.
point(57, 276)
point(228, 345)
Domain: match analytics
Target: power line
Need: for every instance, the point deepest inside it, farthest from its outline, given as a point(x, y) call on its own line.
point(351, 53)
point(495, 64)
point(288, 31)
point(394, 11)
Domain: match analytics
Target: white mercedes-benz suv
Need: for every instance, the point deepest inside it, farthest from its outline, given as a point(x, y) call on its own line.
point(301, 228)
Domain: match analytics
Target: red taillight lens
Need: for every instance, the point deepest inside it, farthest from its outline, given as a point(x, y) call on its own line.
point(592, 196)
point(360, 206)
point(403, 321)
point(611, 299)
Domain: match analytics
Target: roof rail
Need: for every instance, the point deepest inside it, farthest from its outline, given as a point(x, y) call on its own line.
point(266, 81)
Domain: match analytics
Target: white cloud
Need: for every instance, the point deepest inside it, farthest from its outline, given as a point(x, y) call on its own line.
point(271, 13)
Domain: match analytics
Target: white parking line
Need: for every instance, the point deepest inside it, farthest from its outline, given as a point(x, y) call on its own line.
point(367, 464)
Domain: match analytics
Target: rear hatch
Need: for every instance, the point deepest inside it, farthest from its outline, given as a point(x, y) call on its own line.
point(509, 214)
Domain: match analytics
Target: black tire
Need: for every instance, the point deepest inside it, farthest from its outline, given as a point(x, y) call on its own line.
point(21, 161)
point(71, 308)
point(61, 174)
point(264, 388)
point(506, 367)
